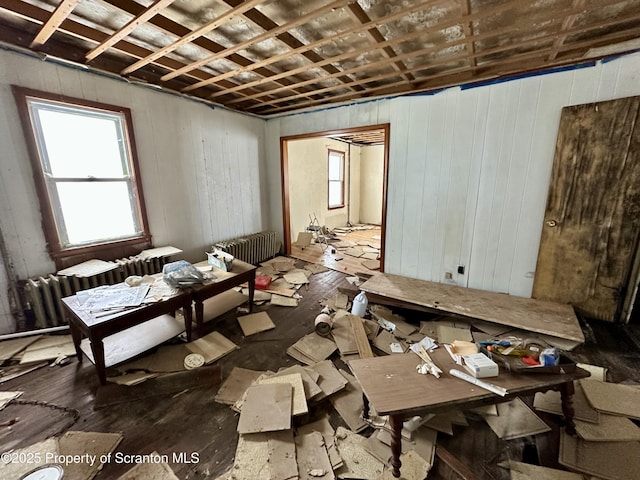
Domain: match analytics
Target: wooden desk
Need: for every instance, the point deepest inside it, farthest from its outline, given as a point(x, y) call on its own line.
point(393, 387)
point(241, 272)
point(97, 329)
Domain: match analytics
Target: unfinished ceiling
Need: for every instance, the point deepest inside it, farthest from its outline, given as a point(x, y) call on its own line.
point(273, 56)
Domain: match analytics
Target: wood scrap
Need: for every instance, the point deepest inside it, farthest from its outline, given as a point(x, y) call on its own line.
point(6, 397)
point(330, 380)
point(283, 301)
point(311, 388)
point(92, 443)
point(611, 428)
point(414, 467)
point(315, 347)
point(9, 373)
point(613, 398)
point(48, 347)
point(515, 419)
point(342, 334)
point(10, 348)
point(360, 336)
point(265, 455)
point(299, 405)
point(348, 403)
point(526, 471)
point(324, 427)
point(296, 277)
point(358, 463)
point(551, 402)
point(371, 264)
point(212, 347)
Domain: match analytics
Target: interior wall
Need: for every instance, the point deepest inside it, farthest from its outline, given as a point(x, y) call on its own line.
point(371, 178)
point(308, 183)
point(468, 170)
point(202, 168)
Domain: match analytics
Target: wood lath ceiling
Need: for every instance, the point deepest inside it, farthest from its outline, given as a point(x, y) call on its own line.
point(270, 57)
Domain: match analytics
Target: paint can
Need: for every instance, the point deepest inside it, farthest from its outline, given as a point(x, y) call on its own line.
point(323, 324)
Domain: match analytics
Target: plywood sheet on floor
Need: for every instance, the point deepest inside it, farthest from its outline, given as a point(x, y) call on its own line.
point(49, 348)
point(266, 408)
point(534, 315)
point(324, 427)
point(315, 347)
point(299, 405)
point(331, 380)
point(605, 460)
point(613, 398)
point(9, 348)
point(235, 385)
point(255, 323)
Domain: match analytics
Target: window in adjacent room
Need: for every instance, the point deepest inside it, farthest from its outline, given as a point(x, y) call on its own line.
point(86, 172)
point(336, 179)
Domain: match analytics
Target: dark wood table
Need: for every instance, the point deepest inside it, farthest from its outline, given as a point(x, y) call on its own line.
point(393, 387)
point(240, 273)
point(97, 327)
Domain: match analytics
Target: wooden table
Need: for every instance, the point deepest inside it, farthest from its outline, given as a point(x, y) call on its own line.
point(392, 386)
point(241, 272)
point(96, 328)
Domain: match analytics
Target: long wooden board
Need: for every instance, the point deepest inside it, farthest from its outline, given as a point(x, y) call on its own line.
point(554, 319)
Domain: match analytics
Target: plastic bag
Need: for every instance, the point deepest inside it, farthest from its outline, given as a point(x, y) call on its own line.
point(181, 274)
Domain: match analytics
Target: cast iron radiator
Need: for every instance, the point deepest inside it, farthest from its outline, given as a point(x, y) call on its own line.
point(254, 248)
point(43, 295)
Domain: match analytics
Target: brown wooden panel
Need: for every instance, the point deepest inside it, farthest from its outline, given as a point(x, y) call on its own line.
point(590, 234)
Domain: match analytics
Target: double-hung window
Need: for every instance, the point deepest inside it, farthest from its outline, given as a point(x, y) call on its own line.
point(86, 173)
point(336, 179)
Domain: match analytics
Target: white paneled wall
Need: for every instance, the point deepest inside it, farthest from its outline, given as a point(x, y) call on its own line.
point(203, 169)
point(468, 170)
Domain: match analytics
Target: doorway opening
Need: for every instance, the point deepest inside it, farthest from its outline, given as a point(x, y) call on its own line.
point(334, 189)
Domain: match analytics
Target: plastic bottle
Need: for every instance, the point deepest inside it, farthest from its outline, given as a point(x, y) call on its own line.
point(359, 306)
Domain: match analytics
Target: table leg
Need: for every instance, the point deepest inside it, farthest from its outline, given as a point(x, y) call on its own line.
point(396, 443)
point(188, 320)
point(199, 308)
point(76, 335)
point(252, 289)
point(97, 347)
point(566, 395)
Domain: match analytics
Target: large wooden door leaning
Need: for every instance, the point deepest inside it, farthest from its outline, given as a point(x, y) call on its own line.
point(590, 233)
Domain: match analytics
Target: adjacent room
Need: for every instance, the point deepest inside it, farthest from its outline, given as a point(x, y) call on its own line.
point(315, 240)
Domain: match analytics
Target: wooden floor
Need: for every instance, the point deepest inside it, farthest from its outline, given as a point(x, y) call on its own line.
point(187, 419)
point(336, 258)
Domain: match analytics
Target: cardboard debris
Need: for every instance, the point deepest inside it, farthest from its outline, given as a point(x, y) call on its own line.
point(265, 456)
point(315, 268)
point(314, 347)
point(312, 457)
point(283, 301)
point(358, 463)
point(354, 252)
point(348, 403)
point(255, 323)
point(311, 388)
point(613, 398)
point(384, 340)
point(515, 419)
point(299, 405)
point(220, 304)
point(372, 264)
point(597, 373)
point(36, 452)
point(9, 373)
point(525, 471)
point(49, 348)
point(10, 348)
point(150, 471)
point(611, 428)
point(324, 427)
point(339, 301)
point(212, 347)
point(330, 380)
point(266, 408)
point(551, 402)
point(92, 443)
point(414, 467)
point(130, 379)
point(296, 277)
point(304, 239)
point(6, 397)
point(235, 385)
point(604, 460)
point(449, 334)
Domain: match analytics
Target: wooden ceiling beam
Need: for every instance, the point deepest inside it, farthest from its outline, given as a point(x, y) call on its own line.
point(134, 23)
point(62, 11)
point(169, 26)
point(395, 41)
point(266, 23)
point(312, 46)
point(206, 28)
point(360, 16)
point(260, 38)
point(465, 8)
point(566, 25)
point(487, 72)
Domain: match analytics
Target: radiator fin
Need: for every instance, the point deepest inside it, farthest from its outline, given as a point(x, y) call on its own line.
point(254, 248)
